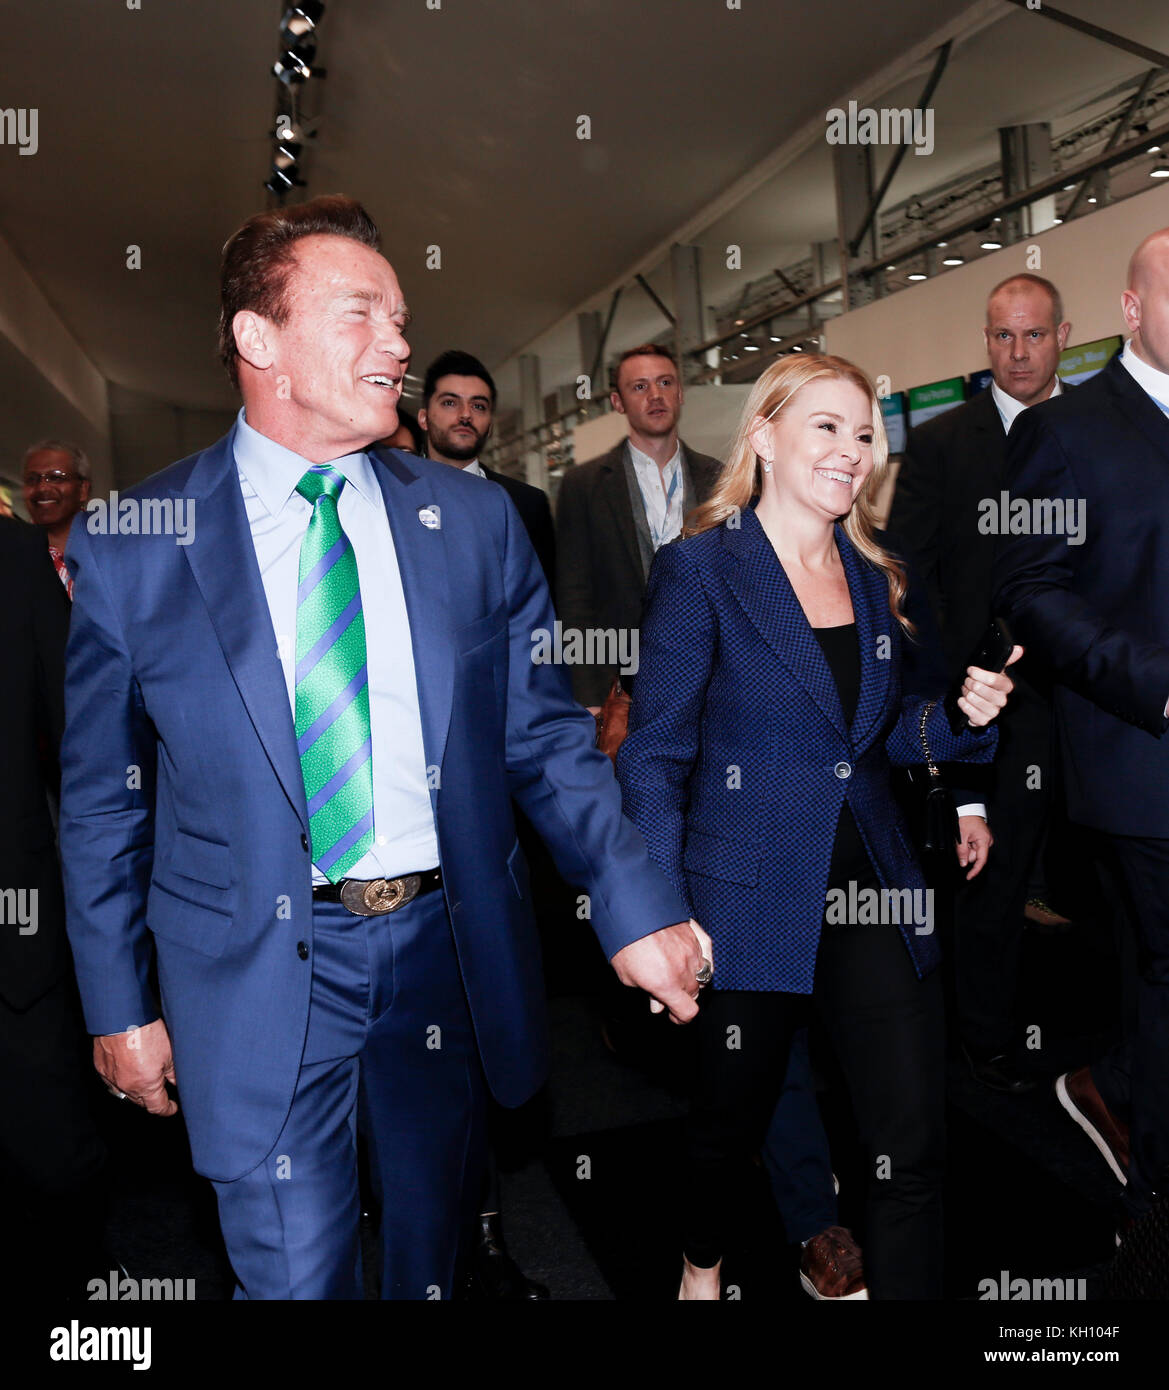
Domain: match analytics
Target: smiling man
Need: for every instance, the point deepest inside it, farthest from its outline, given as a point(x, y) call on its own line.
point(56, 488)
point(288, 765)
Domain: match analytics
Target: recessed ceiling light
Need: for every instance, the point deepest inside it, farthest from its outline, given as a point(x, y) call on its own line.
point(942, 243)
point(1153, 149)
point(1160, 172)
point(1067, 188)
point(917, 275)
point(992, 245)
point(750, 347)
point(954, 260)
point(774, 339)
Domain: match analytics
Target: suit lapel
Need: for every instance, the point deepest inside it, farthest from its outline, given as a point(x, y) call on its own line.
point(877, 642)
point(223, 561)
point(424, 555)
point(1135, 404)
point(614, 489)
point(762, 587)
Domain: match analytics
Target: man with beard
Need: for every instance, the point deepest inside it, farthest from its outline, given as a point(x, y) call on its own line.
point(458, 404)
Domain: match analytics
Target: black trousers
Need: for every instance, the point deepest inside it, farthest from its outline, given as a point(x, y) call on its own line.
point(52, 1158)
point(1133, 1079)
point(988, 911)
point(888, 1031)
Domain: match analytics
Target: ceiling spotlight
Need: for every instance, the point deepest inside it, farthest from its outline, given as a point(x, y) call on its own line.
point(287, 156)
point(300, 20)
point(1067, 188)
point(1153, 149)
point(942, 243)
point(774, 339)
point(1092, 200)
point(750, 347)
point(281, 180)
point(991, 245)
point(917, 275)
point(954, 260)
point(295, 63)
point(890, 267)
point(739, 323)
point(744, 335)
point(1057, 220)
point(1160, 172)
point(796, 347)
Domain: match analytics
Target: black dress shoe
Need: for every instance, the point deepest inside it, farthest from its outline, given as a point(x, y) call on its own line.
point(494, 1274)
point(998, 1073)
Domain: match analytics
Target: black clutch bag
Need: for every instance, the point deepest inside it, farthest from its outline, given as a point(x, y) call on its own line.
point(940, 830)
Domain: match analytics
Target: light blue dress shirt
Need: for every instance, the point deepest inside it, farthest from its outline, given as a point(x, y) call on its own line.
point(403, 820)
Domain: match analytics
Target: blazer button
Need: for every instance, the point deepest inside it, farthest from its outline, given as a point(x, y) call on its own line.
point(843, 770)
point(302, 949)
point(304, 841)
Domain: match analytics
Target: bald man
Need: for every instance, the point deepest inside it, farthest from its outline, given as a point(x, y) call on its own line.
point(953, 465)
point(1096, 608)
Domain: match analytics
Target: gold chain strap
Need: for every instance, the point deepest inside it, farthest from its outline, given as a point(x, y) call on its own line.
point(926, 711)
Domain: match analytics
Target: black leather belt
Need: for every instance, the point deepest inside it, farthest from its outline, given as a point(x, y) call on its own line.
point(371, 897)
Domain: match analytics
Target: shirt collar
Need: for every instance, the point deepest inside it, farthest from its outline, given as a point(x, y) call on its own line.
point(641, 460)
point(274, 471)
point(1153, 382)
point(1009, 408)
point(474, 467)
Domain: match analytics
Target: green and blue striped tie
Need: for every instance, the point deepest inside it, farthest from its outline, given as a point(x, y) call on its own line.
point(332, 685)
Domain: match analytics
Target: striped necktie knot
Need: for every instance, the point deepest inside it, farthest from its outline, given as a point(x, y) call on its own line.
point(322, 480)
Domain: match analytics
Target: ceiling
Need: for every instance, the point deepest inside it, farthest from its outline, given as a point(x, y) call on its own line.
point(457, 127)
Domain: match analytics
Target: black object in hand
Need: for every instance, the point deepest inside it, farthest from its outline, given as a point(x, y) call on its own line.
point(991, 654)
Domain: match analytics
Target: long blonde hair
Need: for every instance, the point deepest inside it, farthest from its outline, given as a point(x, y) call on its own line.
point(741, 479)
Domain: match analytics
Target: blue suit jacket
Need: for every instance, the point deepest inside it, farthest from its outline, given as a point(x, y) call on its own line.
point(200, 856)
point(738, 758)
point(1097, 612)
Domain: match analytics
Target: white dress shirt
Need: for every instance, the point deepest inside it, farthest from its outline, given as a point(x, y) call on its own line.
point(474, 467)
point(1009, 408)
point(1152, 382)
point(405, 839)
point(661, 493)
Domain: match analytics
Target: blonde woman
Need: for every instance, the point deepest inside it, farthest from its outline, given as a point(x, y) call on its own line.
point(768, 712)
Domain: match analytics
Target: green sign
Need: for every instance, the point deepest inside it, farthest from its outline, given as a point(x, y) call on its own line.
point(927, 401)
point(1079, 363)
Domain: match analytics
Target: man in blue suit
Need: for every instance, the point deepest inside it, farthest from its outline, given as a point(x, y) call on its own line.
point(292, 742)
point(1092, 603)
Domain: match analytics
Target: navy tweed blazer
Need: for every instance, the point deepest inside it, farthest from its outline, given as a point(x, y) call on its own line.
point(738, 758)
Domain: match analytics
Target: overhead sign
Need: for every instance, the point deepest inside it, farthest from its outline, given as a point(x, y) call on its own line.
point(927, 401)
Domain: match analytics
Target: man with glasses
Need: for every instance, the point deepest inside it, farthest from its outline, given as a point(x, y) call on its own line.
point(56, 488)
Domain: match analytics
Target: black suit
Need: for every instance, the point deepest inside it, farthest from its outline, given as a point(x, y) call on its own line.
point(532, 505)
point(50, 1155)
point(953, 465)
point(602, 578)
point(1098, 614)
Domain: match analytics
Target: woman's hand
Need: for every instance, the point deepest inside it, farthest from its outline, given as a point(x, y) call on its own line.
point(974, 842)
point(984, 693)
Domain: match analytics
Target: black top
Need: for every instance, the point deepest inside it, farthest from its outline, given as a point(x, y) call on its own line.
point(850, 861)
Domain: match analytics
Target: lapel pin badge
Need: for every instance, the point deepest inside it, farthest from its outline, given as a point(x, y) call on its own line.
point(430, 517)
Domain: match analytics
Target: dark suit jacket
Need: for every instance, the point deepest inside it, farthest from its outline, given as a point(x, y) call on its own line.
point(1098, 611)
point(739, 758)
point(532, 505)
point(601, 580)
point(951, 464)
point(34, 620)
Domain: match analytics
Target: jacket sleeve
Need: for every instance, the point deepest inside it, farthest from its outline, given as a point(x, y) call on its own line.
point(575, 597)
point(562, 781)
point(107, 807)
point(656, 760)
point(1125, 674)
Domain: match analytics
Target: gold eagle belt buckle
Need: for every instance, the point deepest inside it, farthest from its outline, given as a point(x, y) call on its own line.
point(379, 895)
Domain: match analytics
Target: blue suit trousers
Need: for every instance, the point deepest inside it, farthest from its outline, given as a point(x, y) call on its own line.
point(389, 1032)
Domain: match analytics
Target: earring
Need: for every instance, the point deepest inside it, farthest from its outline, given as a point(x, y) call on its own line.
point(767, 465)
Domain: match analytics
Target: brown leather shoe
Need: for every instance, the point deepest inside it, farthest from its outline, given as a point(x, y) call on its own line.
point(1045, 917)
point(831, 1266)
point(1077, 1093)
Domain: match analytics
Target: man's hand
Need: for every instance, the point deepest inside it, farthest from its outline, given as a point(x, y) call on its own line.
point(665, 964)
point(984, 693)
point(974, 842)
point(138, 1063)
